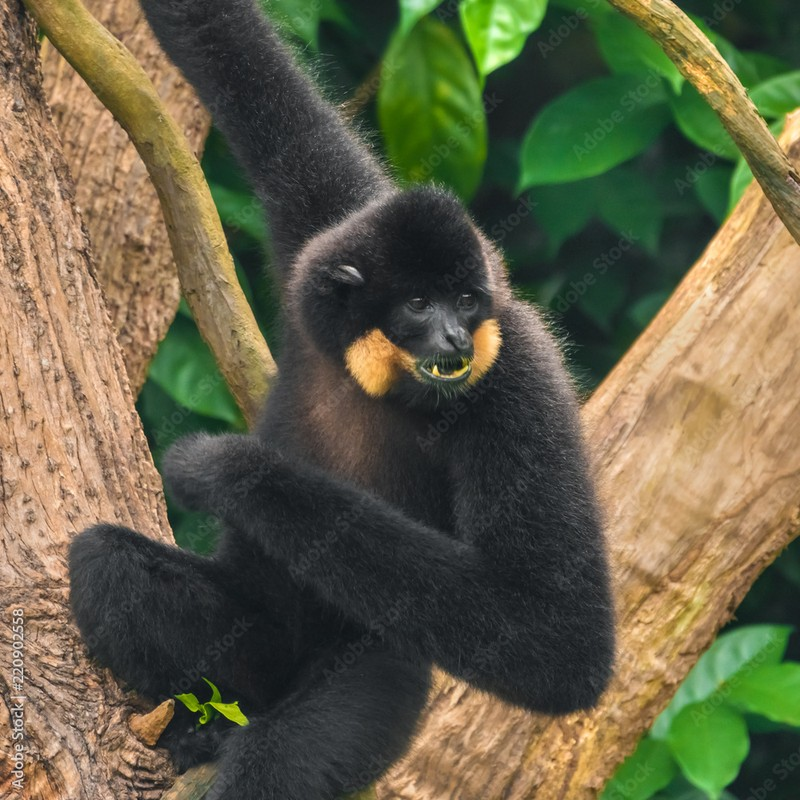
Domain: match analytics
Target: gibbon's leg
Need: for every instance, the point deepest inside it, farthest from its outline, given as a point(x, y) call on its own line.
point(162, 618)
point(336, 733)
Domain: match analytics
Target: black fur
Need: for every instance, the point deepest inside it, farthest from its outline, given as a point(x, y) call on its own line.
point(366, 537)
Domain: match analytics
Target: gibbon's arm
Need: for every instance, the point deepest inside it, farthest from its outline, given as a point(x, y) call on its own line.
point(308, 168)
point(518, 606)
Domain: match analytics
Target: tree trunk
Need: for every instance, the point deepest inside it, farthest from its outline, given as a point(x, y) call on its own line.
point(114, 193)
point(71, 452)
point(697, 448)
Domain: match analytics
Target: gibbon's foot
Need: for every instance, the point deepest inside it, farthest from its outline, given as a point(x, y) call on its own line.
point(190, 746)
point(332, 736)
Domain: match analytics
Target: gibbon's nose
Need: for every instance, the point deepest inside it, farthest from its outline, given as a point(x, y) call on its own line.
point(454, 340)
point(460, 340)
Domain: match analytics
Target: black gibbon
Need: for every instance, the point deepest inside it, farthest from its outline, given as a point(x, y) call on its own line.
point(416, 491)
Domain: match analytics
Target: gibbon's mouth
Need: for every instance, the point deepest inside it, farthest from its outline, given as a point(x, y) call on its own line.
point(446, 370)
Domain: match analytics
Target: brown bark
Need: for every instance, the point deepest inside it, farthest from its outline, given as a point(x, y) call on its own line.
point(118, 201)
point(71, 452)
point(697, 447)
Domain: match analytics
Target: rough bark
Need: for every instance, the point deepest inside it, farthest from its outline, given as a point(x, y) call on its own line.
point(697, 446)
point(117, 200)
point(71, 452)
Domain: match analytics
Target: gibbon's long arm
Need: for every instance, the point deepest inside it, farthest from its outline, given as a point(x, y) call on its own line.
point(307, 167)
point(518, 605)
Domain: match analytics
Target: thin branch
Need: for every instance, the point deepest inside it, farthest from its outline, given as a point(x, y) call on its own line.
point(364, 94)
point(703, 66)
point(194, 784)
point(205, 267)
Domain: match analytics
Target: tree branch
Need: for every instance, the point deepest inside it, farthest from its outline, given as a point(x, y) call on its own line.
point(205, 267)
point(113, 190)
point(703, 66)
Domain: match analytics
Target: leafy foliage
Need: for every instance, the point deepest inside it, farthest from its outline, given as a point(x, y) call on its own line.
point(593, 128)
point(498, 29)
point(703, 732)
point(602, 174)
point(431, 110)
point(213, 708)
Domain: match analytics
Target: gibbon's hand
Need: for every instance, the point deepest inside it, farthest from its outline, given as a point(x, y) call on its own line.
point(209, 473)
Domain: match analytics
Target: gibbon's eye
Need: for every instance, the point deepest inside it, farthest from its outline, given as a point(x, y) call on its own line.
point(467, 301)
point(419, 303)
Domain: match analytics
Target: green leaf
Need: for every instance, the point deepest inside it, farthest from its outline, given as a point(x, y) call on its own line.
point(411, 12)
point(646, 771)
point(698, 123)
point(189, 700)
point(563, 210)
point(709, 746)
point(740, 180)
point(583, 8)
point(778, 96)
point(431, 110)
point(626, 48)
point(332, 11)
point(216, 697)
point(239, 210)
point(301, 17)
point(742, 174)
point(772, 691)
point(744, 648)
point(195, 531)
point(630, 205)
point(208, 714)
point(185, 369)
point(498, 29)
point(645, 308)
point(592, 128)
point(788, 564)
point(743, 67)
point(765, 66)
point(230, 711)
point(624, 198)
point(750, 67)
point(713, 188)
point(602, 296)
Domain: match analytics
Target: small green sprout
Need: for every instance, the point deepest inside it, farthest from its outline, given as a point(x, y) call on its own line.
point(213, 708)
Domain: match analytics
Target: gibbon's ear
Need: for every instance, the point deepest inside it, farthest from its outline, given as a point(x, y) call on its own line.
point(347, 275)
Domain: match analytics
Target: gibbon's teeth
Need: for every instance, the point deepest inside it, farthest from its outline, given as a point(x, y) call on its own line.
point(448, 373)
point(457, 373)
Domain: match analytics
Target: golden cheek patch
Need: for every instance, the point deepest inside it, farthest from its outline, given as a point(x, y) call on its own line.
point(376, 363)
point(486, 342)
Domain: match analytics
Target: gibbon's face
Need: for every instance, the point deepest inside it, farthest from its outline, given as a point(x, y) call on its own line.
point(430, 347)
point(402, 292)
